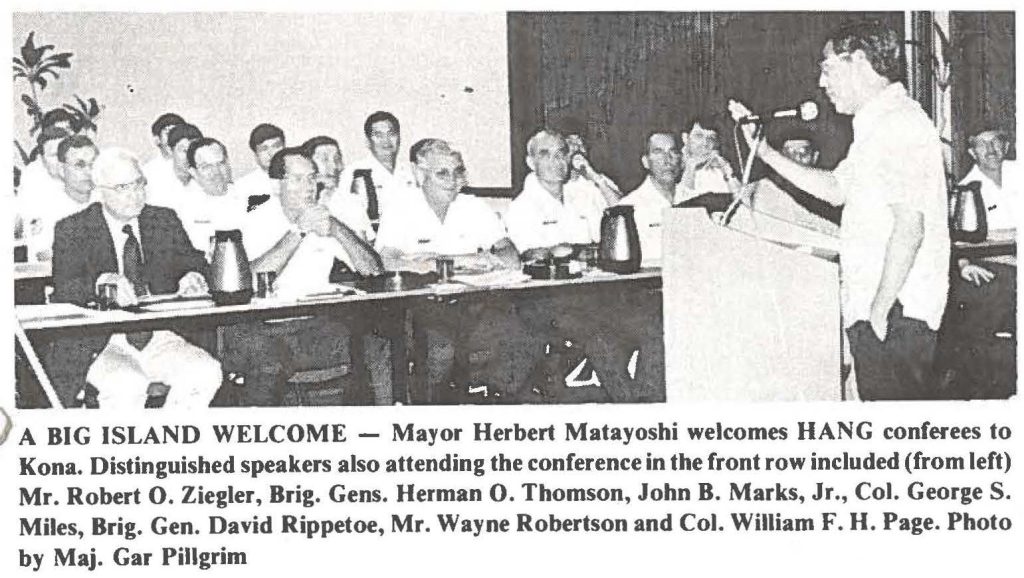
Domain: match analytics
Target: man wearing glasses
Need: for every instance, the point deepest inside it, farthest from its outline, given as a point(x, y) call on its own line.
point(894, 237)
point(75, 155)
point(208, 204)
point(141, 249)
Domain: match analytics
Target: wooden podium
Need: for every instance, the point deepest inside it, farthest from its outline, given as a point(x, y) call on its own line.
point(747, 317)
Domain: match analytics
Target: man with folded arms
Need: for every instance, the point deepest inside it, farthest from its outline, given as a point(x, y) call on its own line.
point(298, 239)
point(141, 249)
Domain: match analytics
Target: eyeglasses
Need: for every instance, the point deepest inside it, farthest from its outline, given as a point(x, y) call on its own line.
point(136, 185)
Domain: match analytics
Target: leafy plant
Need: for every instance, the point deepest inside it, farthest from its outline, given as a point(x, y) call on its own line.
point(33, 65)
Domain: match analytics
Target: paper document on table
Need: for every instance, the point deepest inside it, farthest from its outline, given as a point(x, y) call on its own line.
point(51, 311)
point(494, 278)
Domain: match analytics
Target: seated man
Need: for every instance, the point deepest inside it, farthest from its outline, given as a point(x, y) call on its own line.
point(442, 222)
point(546, 213)
point(168, 188)
point(75, 154)
point(983, 292)
point(162, 165)
point(264, 141)
point(704, 168)
point(208, 204)
point(655, 194)
point(298, 239)
point(141, 249)
point(543, 216)
point(391, 176)
point(41, 183)
point(325, 153)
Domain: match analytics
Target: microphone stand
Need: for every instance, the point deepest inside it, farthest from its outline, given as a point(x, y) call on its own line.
point(748, 165)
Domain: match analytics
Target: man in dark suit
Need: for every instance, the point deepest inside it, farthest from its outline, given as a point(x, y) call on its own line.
point(141, 249)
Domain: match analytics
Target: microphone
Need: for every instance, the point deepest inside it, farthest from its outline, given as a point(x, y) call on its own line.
point(807, 111)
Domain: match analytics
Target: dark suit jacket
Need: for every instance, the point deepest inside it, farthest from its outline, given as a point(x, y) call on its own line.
point(83, 249)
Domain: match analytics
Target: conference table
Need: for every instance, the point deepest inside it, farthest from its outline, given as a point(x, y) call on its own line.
point(392, 314)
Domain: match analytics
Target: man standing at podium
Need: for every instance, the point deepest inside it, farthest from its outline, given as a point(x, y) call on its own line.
point(894, 250)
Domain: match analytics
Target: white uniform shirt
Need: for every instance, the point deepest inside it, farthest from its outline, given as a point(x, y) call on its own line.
point(392, 188)
point(41, 203)
point(706, 180)
point(648, 205)
point(256, 182)
point(1003, 203)
point(536, 219)
point(309, 268)
point(163, 189)
point(469, 226)
point(895, 158)
point(203, 215)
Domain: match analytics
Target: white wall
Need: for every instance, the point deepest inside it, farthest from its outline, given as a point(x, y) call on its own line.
point(308, 73)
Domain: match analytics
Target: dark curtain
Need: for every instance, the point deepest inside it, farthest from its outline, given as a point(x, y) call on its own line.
point(623, 75)
point(983, 88)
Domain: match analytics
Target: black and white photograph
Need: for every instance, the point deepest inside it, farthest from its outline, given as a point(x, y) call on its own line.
point(270, 209)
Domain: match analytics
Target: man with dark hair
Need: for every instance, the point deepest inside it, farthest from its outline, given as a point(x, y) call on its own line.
point(59, 118)
point(208, 203)
point(75, 154)
point(894, 237)
point(264, 141)
point(161, 166)
point(167, 188)
point(391, 177)
point(655, 194)
point(326, 156)
point(298, 239)
point(704, 169)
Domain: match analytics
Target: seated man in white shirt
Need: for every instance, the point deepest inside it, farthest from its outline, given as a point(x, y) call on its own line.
point(140, 249)
point(208, 204)
point(1001, 188)
point(162, 164)
point(391, 176)
point(168, 188)
point(298, 239)
point(983, 292)
point(75, 154)
point(440, 221)
point(41, 183)
point(704, 168)
point(546, 213)
point(264, 141)
point(655, 194)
